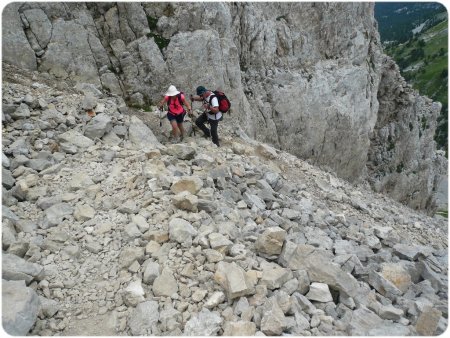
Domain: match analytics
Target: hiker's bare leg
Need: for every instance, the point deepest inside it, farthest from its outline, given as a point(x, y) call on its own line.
point(181, 128)
point(175, 130)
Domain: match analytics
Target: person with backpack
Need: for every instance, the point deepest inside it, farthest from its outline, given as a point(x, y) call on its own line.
point(176, 112)
point(212, 112)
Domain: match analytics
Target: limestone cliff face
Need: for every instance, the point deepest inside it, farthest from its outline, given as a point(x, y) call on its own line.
point(403, 161)
point(309, 78)
point(312, 73)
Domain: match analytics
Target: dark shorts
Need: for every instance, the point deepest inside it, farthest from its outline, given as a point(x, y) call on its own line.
point(179, 118)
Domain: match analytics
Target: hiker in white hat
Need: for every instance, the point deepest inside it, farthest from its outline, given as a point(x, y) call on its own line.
point(176, 112)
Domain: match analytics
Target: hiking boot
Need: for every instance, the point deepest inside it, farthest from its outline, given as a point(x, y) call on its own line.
point(181, 138)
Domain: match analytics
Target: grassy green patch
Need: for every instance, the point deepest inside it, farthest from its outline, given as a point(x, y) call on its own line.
point(159, 40)
point(441, 26)
point(443, 213)
point(152, 22)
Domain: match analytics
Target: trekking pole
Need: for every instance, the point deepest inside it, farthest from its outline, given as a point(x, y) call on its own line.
point(192, 115)
point(160, 122)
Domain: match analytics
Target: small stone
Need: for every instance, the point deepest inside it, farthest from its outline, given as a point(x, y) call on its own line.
point(181, 231)
point(191, 184)
point(134, 294)
point(241, 328)
point(319, 292)
point(270, 242)
point(186, 201)
point(428, 322)
point(165, 284)
point(204, 323)
point(152, 247)
point(198, 295)
point(215, 299)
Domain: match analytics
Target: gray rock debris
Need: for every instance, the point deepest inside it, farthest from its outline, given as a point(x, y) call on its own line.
point(99, 239)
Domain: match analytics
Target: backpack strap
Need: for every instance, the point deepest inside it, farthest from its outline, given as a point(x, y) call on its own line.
point(211, 98)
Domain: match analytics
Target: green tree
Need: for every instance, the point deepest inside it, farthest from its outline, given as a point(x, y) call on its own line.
point(417, 54)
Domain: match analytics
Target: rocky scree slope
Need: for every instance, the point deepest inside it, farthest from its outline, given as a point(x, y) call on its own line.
point(107, 231)
point(308, 78)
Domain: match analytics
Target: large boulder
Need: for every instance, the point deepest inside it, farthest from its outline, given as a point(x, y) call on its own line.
point(204, 323)
point(20, 307)
point(98, 126)
point(165, 284)
point(319, 266)
point(270, 242)
point(143, 318)
point(17, 268)
point(181, 231)
point(234, 280)
point(75, 138)
point(141, 136)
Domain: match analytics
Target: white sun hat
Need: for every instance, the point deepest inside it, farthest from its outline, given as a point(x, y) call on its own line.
point(172, 91)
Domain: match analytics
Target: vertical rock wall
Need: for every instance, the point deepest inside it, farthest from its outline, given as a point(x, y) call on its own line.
point(403, 161)
point(311, 78)
point(15, 46)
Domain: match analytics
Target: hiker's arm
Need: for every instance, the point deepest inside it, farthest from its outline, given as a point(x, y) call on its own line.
point(196, 98)
point(161, 104)
point(214, 110)
point(188, 106)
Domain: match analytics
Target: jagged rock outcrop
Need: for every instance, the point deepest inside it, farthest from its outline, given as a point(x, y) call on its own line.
point(16, 48)
point(403, 161)
point(309, 78)
point(94, 241)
